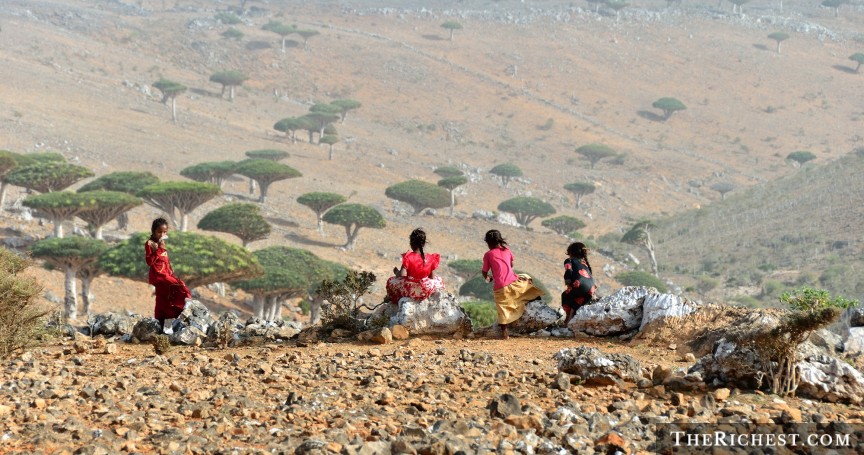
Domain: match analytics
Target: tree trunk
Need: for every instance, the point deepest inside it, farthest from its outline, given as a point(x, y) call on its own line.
point(263, 198)
point(174, 108)
point(70, 301)
point(578, 201)
point(3, 187)
point(778, 47)
point(87, 297)
point(221, 95)
point(258, 306)
point(184, 222)
point(58, 229)
point(315, 310)
point(649, 245)
point(331, 153)
point(252, 185)
point(451, 34)
point(220, 288)
point(320, 223)
point(352, 237)
point(97, 233)
point(231, 94)
point(452, 202)
point(293, 136)
point(279, 310)
point(283, 44)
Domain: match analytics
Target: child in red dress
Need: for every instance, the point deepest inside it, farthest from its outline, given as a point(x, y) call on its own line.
point(171, 292)
point(416, 278)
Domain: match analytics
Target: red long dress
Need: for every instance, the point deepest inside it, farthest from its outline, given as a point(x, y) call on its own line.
point(171, 292)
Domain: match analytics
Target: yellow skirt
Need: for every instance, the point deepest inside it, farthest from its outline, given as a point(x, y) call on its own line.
point(510, 300)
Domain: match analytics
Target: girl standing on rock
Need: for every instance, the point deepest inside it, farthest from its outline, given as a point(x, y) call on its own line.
point(416, 279)
point(578, 280)
point(512, 292)
point(171, 292)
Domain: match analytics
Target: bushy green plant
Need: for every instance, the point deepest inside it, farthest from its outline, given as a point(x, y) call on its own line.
point(233, 33)
point(526, 209)
point(265, 172)
point(777, 348)
point(320, 202)
point(563, 225)
point(21, 318)
point(214, 172)
point(419, 195)
point(639, 278)
point(466, 268)
point(343, 297)
point(595, 153)
point(482, 312)
point(507, 172)
point(46, 177)
point(241, 219)
point(353, 217)
point(124, 182)
point(227, 18)
point(182, 197)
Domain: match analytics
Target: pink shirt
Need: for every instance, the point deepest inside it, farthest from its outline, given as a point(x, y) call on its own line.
point(501, 263)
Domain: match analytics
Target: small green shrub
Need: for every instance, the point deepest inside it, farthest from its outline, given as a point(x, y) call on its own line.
point(482, 312)
point(21, 319)
point(343, 297)
point(637, 278)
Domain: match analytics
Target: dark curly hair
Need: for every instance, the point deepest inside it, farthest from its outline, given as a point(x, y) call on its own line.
point(579, 251)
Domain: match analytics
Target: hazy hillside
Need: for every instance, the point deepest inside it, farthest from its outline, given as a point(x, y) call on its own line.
point(801, 229)
point(521, 82)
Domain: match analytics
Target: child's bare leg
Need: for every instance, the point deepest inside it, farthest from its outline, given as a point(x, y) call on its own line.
point(504, 333)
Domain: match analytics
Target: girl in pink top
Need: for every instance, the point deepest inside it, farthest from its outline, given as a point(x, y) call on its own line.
point(512, 292)
point(416, 279)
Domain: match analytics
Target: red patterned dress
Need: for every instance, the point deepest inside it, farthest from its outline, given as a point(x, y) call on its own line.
point(417, 284)
point(171, 292)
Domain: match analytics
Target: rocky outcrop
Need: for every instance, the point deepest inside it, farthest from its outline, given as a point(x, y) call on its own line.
point(596, 367)
point(146, 329)
point(830, 379)
point(112, 324)
point(271, 330)
point(657, 307)
point(190, 328)
point(440, 314)
point(615, 314)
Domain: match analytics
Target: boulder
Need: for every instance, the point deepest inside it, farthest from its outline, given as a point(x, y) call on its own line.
point(228, 327)
point(854, 343)
point(440, 314)
point(855, 317)
point(146, 329)
point(112, 324)
point(656, 307)
point(537, 316)
point(271, 330)
point(595, 367)
point(830, 379)
point(618, 313)
point(192, 324)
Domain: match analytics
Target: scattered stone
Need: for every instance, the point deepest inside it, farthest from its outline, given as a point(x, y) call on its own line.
point(399, 332)
point(111, 324)
point(598, 368)
point(504, 406)
point(722, 394)
point(145, 329)
point(562, 381)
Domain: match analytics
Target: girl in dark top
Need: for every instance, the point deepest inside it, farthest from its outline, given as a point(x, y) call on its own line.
point(578, 279)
